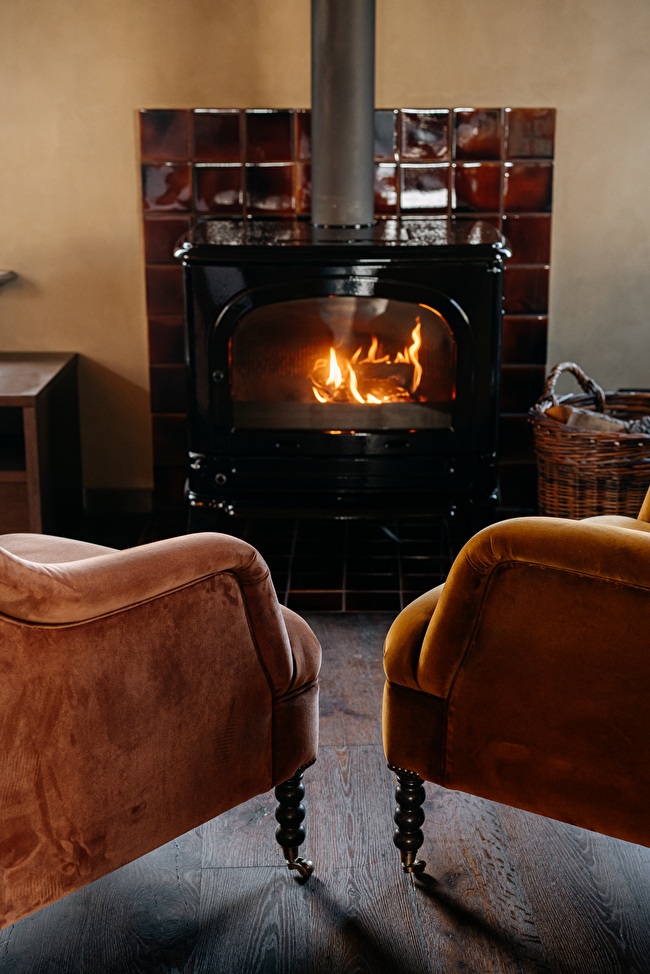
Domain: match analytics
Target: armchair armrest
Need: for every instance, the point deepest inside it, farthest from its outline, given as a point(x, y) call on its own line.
point(532, 580)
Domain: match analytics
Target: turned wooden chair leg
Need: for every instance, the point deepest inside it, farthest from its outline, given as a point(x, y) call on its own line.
point(289, 814)
point(409, 816)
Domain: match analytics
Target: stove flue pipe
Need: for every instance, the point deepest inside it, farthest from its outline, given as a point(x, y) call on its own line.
point(342, 112)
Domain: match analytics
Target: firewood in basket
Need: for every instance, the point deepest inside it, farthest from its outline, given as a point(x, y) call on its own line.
point(641, 425)
point(576, 418)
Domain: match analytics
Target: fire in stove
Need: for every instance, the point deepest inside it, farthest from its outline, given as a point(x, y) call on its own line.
point(372, 380)
point(344, 362)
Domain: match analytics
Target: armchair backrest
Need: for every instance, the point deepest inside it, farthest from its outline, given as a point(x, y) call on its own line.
point(143, 692)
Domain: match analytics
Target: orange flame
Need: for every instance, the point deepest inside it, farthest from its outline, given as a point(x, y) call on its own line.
point(370, 380)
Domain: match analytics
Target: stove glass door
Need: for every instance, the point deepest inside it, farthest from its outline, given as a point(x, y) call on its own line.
point(343, 363)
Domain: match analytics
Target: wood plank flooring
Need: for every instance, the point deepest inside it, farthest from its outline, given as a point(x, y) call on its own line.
point(504, 892)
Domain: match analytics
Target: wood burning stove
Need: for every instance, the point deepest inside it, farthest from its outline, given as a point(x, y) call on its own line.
point(345, 366)
point(342, 372)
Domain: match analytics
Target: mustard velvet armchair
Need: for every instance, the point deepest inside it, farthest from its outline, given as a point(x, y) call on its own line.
point(142, 692)
point(524, 679)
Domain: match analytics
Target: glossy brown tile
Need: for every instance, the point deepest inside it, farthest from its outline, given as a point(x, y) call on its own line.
point(269, 190)
point(412, 582)
point(217, 135)
point(377, 582)
point(169, 485)
point(424, 189)
point(518, 486)
point(467, 219)
point(529, 238)
point(164, 135)
point(168, 388)
point(317, 561)
point(418, 528)
point(315, 531)
point(385, 188)
point(280, 582)
point(478, 133)
point(166, 339)
point(317, 581)
point(528, 186)
point(279, 565)
point(477, 187)
point(416, 548)
point(531, 133)
point(525, 290)
point(521, 387)
point(268, 136)
point(279, 533)
point(373, 602)
point(385, 135)
point(425, 135)
point(419, 567)
point(164, 290)
point(170, 438)
point(303, 188)
point(516, 443)
point(524, 340)
point(315, 601)
point(303, 134)
point(219, 189)
point(166, 186)
point(357, 567)
point(161, 235)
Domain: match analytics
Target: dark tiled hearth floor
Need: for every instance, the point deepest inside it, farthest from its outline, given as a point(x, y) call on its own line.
point(323, 565)
point(349, 565)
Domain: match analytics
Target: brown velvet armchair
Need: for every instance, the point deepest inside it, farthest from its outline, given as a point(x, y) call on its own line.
point(525, 678)
point(142, 692)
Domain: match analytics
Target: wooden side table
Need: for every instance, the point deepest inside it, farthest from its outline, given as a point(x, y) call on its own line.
point(40, 458)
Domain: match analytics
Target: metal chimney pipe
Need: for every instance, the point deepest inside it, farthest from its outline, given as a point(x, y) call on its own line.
point(342, 112)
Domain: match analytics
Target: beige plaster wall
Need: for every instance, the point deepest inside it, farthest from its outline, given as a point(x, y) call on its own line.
point(74, 72)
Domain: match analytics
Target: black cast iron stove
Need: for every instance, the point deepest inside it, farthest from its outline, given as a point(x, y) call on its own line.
point(342, 372)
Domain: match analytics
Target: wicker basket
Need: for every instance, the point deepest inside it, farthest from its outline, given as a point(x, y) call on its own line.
point(582, 473)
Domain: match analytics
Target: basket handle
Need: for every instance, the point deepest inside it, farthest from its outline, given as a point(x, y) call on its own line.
point(588, 385)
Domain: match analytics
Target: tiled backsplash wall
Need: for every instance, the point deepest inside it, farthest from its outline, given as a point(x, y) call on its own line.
point(492, 164)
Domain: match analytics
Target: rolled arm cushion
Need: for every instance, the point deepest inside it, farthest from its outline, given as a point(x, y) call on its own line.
point(143, 692)
point(527, 673)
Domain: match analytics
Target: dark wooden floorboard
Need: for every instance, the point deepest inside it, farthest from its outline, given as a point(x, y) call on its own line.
point(504, 892)
point(143, 917)
point(590, 885)
point(472, 906)
point(352, 676)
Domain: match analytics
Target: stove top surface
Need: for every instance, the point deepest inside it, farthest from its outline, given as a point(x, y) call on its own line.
point(468, 236)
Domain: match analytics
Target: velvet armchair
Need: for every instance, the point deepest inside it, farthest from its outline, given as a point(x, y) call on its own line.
point(524, 679)
point(142, 693)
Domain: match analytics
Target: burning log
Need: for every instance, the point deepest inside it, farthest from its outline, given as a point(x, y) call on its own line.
point(371, 380)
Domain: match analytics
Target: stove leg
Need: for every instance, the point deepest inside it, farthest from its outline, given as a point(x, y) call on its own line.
point(289, 814)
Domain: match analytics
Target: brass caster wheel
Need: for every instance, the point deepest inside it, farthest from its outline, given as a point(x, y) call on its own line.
point(416, 867)
point(304, 866)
